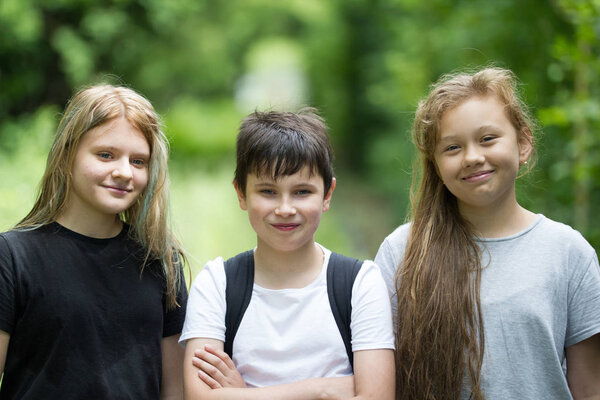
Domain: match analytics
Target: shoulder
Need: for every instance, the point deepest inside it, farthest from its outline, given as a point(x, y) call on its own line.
point(562, 238)
point(17, 241)
point(15, 236)
point(213, 271)
point(392, 248)
point(369, 268)
point(398, 237)
point(369, 275)
point(400, 233)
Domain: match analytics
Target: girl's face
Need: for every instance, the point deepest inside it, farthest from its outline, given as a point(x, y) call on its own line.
point(110, 171)
point(479, 153)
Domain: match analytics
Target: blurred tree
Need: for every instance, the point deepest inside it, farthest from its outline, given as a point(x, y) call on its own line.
point(364, 63)
point(575, 111)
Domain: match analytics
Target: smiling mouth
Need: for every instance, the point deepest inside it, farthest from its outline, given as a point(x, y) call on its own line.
point(285, 227)
point(118, 189)
point(478, 176)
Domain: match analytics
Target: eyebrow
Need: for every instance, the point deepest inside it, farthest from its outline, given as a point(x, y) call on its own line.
point(264, 184)
point(482, 128)
point(489, 127)
point(272, 183)
point(112, 148)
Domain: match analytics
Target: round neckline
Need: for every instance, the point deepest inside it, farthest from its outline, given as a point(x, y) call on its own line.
point(58, 228)
point(326, 255)
point(515, 235)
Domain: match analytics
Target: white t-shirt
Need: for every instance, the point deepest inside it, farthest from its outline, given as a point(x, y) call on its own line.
point(290, 334)
point(540, 293)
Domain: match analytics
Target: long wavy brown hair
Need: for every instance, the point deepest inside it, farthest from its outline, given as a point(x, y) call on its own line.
point(440, 336)
point(148, 217)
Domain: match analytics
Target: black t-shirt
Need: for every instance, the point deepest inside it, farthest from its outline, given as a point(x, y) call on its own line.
point(84, 322)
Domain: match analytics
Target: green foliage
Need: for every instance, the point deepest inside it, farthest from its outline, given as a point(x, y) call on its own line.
point(202, 129)
point(25, 143)
point(365, 64)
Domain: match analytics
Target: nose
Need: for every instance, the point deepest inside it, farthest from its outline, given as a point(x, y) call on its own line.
point(285, 208)
point(122, 170)
point(472, 156)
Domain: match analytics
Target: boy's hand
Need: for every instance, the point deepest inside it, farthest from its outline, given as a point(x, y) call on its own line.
point(216, 369)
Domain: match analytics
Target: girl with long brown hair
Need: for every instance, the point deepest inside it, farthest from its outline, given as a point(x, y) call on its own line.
point(92, 294)
point(490, 300)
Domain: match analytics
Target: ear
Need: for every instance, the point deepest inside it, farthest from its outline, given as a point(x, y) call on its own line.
point(327, 198)
point(525, 141)
point(240, 195)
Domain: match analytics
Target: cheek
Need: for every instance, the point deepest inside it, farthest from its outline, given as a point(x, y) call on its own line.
point(255, 218)
point(141, 179)
point(316, 211)
point(83, 175)
point(257, 210)
point(440, 169)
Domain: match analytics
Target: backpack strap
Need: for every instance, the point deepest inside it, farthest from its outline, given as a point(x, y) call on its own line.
point(341, 274)
point(239, 274)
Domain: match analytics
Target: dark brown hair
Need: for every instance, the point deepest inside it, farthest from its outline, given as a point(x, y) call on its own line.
point(281, 143)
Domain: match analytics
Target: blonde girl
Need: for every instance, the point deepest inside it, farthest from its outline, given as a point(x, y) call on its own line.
point(92, 295)
point(490, 299)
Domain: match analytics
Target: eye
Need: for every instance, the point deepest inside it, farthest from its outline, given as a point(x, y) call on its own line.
point(138, 162)
point(267, 192)
point(451, 147)
point(303, 192)
point(104, 155)
point(488, 138)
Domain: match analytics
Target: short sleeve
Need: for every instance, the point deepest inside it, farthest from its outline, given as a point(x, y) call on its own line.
point(584, 303)
point(388, 264)
point(388, 258)
point(7, 287)
point(371, 322)
point(173, 322)
point(206, 307)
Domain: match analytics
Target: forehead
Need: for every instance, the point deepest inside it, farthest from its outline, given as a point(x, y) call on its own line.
point(474, 113)
point(304, 175)
point(116, 133)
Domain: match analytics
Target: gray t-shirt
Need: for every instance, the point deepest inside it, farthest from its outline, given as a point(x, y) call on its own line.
point(540, 293)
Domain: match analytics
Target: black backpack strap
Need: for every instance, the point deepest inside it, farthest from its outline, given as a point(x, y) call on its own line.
point(341, 273)
point(239, 273)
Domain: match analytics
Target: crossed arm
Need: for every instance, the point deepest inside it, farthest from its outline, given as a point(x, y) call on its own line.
point(210, 374)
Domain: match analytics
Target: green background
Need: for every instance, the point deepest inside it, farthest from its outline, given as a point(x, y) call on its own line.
point(364, 63)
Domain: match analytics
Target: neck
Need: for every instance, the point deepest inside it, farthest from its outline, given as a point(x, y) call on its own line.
point(100, 228)
point(276, 269)
point(499, 220)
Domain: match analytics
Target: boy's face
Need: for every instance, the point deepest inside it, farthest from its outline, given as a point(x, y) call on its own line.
point(285, 213)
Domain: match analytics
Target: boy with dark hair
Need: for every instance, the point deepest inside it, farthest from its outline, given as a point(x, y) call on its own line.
point(289, 319)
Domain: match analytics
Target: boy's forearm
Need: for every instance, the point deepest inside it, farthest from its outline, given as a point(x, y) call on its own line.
point(310, 389)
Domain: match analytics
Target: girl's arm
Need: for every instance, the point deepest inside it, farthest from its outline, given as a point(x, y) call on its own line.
point(172, 369)
point(310, 389)
point(4, 339)
point(583, 369)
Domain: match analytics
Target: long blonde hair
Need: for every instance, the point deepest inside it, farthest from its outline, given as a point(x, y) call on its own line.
point(440, 326)
point(149, 215)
